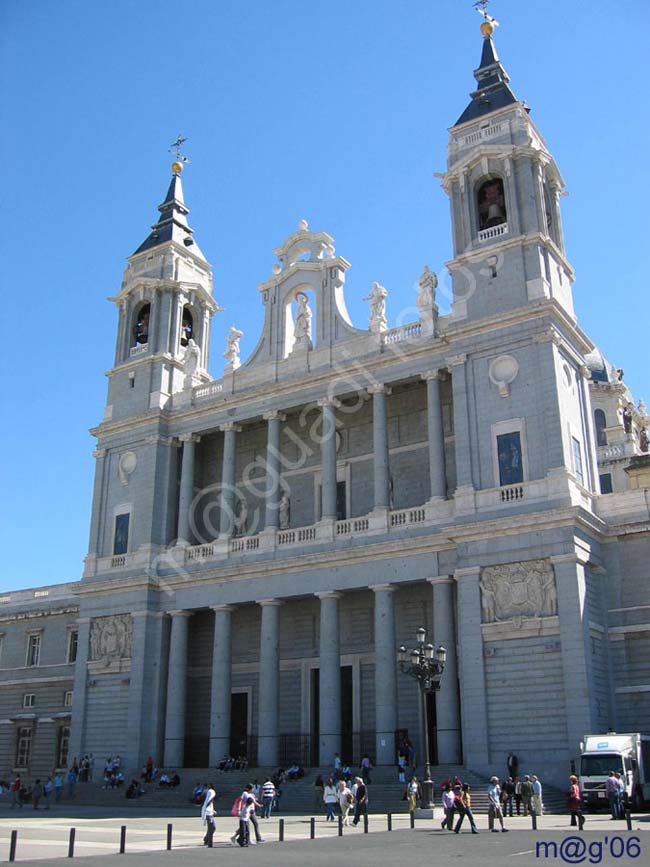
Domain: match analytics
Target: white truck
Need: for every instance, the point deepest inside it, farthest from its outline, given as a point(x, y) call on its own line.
point(627, 753)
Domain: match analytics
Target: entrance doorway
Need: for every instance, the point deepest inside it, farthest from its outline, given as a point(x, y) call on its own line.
point(239, 725)
point(347, 741)
point(315, 717)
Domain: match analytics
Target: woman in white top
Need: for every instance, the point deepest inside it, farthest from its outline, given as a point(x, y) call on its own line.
point(346, 800)
point(207, 815)
point(330, 798)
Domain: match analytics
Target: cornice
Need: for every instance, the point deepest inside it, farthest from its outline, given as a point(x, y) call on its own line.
point(479, 253)
point(37, 613)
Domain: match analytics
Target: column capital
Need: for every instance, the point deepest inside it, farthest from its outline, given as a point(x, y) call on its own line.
point(270, 603)
point(382, 588)
point(580, 557)
point(189, 438)
point(329, 594)
point(328, 401)
point(457, 360)
point(179, 612)
point(226, 608)
point(273, 415)
point(230, 425)
point(100, 453)
point(432, 374)
point(379, 388)
point(441, 579)
point(467, 572)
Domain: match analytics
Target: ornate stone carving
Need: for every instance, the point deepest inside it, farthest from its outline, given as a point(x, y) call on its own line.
point(426, 300)
point(377, 297)
point(191, 362)
point(502, 372)
point(285, 511)
point(232, 348)
point(126, 466)
point(515, 591)
point(111, 638)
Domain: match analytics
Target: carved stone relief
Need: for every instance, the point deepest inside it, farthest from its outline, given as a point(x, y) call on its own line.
point(111, 638)
point(515, 591)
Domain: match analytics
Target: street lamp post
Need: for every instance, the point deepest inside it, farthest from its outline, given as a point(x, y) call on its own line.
point(426, 665)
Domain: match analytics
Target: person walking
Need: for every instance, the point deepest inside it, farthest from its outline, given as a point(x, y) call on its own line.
point(518, 795)
point(413, 793)
point(574, 802)
point(37, 794)
point(622, 797)
point(330, 798)
point(345, 800)
point(538, 806)
point(360, 800)
point(365, 769)
point(527, 795)
point(401, 766)
point(494, 805)
point(207, 815)
point(15, 792)
point(47, 792)
point(72, 779)
point(268, 794)
point(244, 817)
point(464, 807)
point(245, 795)
point(448, 806)
point(509, 790)
point(58, 787)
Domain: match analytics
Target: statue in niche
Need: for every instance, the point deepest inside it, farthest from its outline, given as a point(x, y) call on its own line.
point(284, 511)
point(377, 298)
point(232, 348)
point(111, 638)
point(241, 518)
point(627, 418)
point(643, 439)
point(192, 358)
point(515, 591)
point(302, 324)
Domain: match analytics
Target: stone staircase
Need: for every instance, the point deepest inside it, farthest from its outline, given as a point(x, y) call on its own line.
point(300, 797)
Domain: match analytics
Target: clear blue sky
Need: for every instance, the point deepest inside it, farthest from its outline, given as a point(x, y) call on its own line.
point(334, 112)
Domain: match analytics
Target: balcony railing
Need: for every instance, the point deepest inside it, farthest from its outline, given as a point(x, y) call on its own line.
point(412, 331)
point(138, 350)
point(493, 232)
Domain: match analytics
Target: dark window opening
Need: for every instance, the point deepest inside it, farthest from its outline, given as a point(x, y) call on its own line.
point(601, 423)
point(341, 501)
point(141, 327)
point(491, 204)
point(187, 327)
point(606, 483)
point(511, 471)
point(121, 540)
point(577, 461)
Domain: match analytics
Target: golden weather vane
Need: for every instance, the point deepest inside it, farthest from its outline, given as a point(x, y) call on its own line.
point(489, 23)
point(175, 148)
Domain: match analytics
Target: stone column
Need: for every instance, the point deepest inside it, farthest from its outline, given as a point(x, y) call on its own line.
point(273, 473)
point(447, 698)
point(330, 678)
point(385, 674)
point(472, 670)
point(176, 690)
point(187, 489)
point(570, 582)
point(461, 422)
point(226, 518)
point(78, 720)
point(269, 684)
point(328, 458)
point(220, 698)
point(96, 519)
point(436, 436)
point(591, 454)
point(380, 446)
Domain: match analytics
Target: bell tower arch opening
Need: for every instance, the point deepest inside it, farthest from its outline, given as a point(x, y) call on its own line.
point(491, 203)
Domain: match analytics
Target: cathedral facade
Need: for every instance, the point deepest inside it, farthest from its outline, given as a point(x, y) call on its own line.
point(262, 542)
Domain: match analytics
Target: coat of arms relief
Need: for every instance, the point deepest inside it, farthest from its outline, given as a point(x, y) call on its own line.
point(111, 638)
point(516, 591)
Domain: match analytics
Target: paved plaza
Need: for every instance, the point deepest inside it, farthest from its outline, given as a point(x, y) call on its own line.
point(43, 839)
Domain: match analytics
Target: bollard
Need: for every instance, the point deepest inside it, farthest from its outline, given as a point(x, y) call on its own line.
point(412, 815)
point(71, 843)
point(628, 819)
point(122, 839)
point(389, 821)
point(281, 831)
point(365, 823)
point(340, 826)
point(169, 837)
point(534, 820)
point(581, 821)
point(12, 845)
point(312, 828)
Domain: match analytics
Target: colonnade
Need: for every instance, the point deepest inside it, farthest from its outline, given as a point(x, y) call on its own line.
point(329, 663)
point(381, 462)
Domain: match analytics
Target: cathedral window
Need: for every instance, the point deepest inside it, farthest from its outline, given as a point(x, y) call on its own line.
point(23, 747)
point(187, 327)
point(33, 648)
point(601, 423)
point(606, 483)
point(491, 204)
point(577, 460)
point(121, 538)
point(141, 327)
point(62, 747)
point(511, 468)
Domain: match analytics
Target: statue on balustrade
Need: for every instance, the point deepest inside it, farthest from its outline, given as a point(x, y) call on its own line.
point(284, 510)
point(377, 297)
point(232, 348)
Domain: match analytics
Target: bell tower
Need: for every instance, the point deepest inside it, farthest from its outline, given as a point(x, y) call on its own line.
point(504, 187)
point(164, 306)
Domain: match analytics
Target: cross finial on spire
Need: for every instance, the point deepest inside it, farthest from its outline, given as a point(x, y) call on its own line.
point(489, 23)
point(175, 148)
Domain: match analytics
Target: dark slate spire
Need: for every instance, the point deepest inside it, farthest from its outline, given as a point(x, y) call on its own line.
point(172, 225)
point(492, 79)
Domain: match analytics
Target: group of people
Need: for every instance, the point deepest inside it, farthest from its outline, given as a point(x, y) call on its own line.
point(341, 798)
point(233, 763)
point(243, 809)
point(615, 789)
point(22, 794)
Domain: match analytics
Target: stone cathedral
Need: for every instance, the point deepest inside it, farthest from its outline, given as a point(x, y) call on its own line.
point(262, 541)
